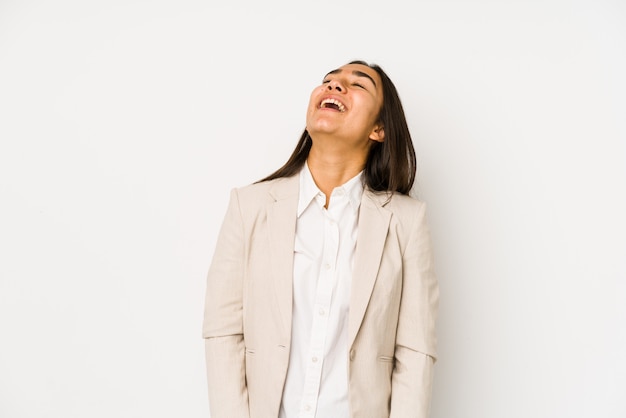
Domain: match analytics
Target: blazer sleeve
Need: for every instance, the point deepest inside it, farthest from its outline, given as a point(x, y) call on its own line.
point(223, 319)
point(415, 350)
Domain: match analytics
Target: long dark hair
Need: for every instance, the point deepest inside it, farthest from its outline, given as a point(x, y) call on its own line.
point(390, 164)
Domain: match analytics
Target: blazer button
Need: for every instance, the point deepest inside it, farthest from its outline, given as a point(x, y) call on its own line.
point(351, 355)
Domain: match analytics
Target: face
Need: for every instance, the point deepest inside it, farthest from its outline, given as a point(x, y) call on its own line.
point(347, 105)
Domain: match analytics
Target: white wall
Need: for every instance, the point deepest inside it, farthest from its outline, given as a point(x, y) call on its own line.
point(124, 124)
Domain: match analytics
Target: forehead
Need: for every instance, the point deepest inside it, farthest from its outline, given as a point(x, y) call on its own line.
point(359, 70)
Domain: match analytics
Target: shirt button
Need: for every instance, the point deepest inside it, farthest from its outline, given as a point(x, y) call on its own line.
point(314, 359)
point(322, 312)
point(327, 266)
point(307, 407)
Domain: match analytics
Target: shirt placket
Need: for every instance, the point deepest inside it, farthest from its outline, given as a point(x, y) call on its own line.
point(319, 329)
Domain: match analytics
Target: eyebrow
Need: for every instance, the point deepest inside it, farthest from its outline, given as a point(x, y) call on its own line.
point(354, 72)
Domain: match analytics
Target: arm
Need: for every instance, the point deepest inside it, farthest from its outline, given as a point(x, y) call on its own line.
point(415, 339)
point(223, 320)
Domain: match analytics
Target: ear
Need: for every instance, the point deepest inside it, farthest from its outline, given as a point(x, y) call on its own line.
point(378, 134)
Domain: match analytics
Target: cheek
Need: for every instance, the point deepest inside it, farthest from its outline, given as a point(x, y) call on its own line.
point(371, 112)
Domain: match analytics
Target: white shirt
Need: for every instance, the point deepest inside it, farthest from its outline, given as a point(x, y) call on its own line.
point(317, 378)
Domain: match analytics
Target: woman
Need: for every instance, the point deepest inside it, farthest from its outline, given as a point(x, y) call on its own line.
point(321, 298)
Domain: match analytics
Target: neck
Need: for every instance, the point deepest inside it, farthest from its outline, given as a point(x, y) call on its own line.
point(332, 168)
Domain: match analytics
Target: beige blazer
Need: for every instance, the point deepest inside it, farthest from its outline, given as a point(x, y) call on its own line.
point(393, 305)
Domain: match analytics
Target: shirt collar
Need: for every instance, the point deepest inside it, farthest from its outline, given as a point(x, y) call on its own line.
point(353, 189)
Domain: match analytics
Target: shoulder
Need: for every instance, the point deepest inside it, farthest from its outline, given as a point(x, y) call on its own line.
point(402, 201)
point(407, 209)
point(407, 213)
point(399, 204)
point(271, 189)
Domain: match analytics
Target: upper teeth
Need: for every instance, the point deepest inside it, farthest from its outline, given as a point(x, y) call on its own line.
point(340, 105)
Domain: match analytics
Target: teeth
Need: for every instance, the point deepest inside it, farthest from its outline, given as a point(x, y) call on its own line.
point(337, 103)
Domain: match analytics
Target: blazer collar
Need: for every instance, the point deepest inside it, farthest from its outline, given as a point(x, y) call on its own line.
point(374, 221)
point(281, 220)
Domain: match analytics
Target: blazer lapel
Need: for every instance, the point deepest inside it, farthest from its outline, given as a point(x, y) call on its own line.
point(373, 227)
point(281, 221)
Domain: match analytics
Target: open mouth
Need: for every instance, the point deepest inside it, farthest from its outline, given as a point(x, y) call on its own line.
point(332, 104)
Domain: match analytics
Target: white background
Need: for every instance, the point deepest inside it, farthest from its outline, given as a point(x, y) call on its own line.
point(124, 124)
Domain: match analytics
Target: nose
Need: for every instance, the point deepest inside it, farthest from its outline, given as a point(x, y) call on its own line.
point(335, 85)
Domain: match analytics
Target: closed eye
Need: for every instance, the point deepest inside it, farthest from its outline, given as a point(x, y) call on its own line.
point(358, 85)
